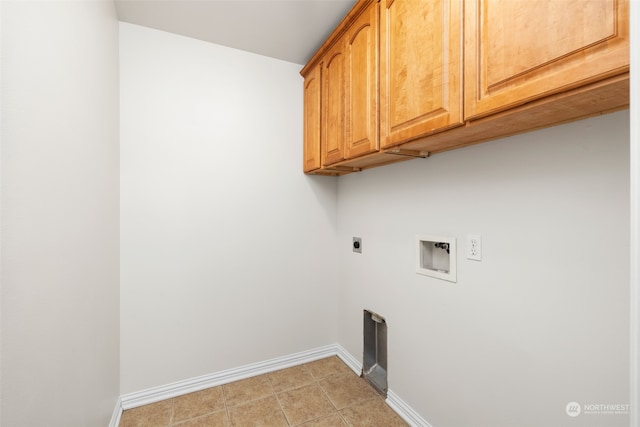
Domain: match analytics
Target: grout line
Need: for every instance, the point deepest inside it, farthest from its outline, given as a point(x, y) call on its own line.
point(173, 411)
point(226, 407)
point(337, 411)
point(322, 390)
point(327, 395)
point(273, 389)
point(282, 410)
point(286, 418)
point(346, 422)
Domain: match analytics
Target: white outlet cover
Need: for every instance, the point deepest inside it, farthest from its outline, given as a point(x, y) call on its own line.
point(474, 247)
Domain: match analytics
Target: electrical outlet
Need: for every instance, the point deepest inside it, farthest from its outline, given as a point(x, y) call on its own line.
point(474, 247)
point(357, 245)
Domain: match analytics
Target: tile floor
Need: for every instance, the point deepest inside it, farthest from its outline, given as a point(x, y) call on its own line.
point(324, 393)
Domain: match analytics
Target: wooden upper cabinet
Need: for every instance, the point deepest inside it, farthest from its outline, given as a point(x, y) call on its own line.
point(312, 118)
point(420, 68)
point(334, 104)
point(362, 83)
point(388, 84)
point(520, 50)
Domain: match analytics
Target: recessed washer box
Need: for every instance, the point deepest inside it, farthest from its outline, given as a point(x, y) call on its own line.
point(436, 257)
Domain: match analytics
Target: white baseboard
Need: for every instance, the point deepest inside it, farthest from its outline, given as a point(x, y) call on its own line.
point(156, 394)
point(117, 413)
point(405, 411)
point(348, 359)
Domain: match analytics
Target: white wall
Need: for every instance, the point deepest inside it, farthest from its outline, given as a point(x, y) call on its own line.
point(635, 212)
point(227, 249)
point(507, 345)
point(1, 109)
point(59, 213)
point(543, 319)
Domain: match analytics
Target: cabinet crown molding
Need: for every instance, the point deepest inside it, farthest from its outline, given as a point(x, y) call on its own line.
point(342, 27)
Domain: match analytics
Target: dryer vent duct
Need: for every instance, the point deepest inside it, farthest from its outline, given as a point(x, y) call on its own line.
point(374, 366)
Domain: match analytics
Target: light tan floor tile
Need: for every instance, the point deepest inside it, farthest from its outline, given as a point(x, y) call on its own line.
point(247, 390)
point(372, 413)
point(307, 396)
point(153, 415)
point(326, 367)
point(305, 404)
point(199, 403)
point(347, 390)
point(217, 419)
point(290, 378)
point(331, 421)
point(259, 413)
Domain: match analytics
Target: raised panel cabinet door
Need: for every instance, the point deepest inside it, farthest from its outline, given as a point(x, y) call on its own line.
point(334, 105)
point(362, 83)
point(312, 119)
point(520, 50)
point(420, 68)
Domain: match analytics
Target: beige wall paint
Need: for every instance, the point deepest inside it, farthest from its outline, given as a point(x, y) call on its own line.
point(543, 319)
point(412, 380)
point(635, 213)
point(59, 210)
point(516, 323)
point(227, 249)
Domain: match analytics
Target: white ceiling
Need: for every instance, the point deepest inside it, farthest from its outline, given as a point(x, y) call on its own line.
point(291, 30)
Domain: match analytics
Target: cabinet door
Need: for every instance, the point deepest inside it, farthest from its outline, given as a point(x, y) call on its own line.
point(312, 118)
point(420, 68)
point(334, 103)
point(362, 84)
point(520, 50)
